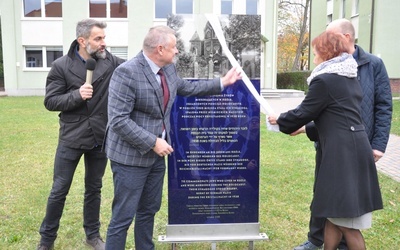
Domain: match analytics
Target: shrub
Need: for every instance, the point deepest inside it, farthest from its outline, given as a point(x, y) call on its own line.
point(293, 80)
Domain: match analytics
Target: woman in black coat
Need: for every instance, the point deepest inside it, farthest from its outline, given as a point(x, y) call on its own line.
point(347, 187)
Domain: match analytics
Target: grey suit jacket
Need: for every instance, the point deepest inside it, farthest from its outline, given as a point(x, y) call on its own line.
point(135, 112)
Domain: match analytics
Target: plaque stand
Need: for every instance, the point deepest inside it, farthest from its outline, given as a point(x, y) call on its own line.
point(213, 175)
point(213, 233)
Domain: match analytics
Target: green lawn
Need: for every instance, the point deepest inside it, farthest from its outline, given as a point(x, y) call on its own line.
point(28, 138)
point(396, 117)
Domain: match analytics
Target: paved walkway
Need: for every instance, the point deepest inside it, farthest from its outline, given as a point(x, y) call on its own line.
point(389, 164)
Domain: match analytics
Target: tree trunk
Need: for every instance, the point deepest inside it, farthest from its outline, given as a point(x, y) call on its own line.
point(296, 63)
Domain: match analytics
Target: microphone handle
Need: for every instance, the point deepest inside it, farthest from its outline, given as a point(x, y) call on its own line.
point(89, 76)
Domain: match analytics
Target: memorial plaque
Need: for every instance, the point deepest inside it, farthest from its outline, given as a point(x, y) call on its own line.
point(213, 174)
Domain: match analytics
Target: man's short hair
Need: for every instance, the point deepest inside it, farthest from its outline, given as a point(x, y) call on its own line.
point(84, 27)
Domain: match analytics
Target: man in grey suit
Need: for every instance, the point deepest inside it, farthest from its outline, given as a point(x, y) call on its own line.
point(137, 134)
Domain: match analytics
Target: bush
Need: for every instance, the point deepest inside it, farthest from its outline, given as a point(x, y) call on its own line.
point(293, 80)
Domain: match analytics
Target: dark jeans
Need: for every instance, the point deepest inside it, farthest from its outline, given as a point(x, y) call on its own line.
point(137, 194)
point(66, 161)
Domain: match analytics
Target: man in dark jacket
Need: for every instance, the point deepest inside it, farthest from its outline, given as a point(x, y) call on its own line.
point(376, 113)
point(83, 119)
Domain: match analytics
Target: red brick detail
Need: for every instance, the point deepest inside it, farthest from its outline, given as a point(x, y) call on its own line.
point(395, 86)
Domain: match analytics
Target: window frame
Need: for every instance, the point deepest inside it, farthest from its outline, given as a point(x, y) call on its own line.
point(120, 54)
point(247, 5)
point(329, 11)
point(355, 8)
point(43, 50)
point(231, 12)
point(42, 13)
point(343, 9)
point(173, 9)
point(108, 11)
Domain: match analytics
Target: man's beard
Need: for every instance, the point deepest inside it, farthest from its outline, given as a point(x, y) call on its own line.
point(96, 54)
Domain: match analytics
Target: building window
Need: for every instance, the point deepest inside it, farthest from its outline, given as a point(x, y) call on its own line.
point(34, 57)
point(163, 8)
point(98, 8)
point(251, 7)
point(355, 9)
point(121, 52)
point(33, 8)
point(226, 7)
point(52, 53)
point(119, 9)
point(167, 7)
point(343, 9)
point(37, 57)
point(184, 7)
point(33, 62)
point(329, 11)
point(329, 19)
point(108, 8)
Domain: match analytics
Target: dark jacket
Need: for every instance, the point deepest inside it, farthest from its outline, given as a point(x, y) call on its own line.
point(376, 105)
point(82, 123)
point(346, 184)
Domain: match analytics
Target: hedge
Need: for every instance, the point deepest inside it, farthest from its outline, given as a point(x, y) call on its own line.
point(293, 80)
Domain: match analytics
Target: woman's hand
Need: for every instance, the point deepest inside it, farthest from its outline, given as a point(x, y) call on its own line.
point(272, 119)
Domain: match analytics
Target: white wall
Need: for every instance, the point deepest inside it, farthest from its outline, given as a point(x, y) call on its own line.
point(21, 31)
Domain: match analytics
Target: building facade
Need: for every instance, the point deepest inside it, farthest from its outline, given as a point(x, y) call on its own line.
point(376, 24)
point(36, 32)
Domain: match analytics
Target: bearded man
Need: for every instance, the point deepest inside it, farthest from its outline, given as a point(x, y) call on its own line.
point(83, 119)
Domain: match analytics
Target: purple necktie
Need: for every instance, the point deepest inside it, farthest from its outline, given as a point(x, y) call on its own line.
point(164, 87)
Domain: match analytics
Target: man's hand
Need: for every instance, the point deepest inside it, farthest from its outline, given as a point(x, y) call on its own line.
point(251, 165)
point(377, 154)
point(231, 77)
point(86, 91)
point(162, 148)
point(299, 131)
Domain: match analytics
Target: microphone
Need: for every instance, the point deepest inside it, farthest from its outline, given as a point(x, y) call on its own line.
point(90, 65)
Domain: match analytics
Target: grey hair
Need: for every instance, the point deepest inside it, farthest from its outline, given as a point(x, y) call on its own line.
point(157, 35)
point(84, 27)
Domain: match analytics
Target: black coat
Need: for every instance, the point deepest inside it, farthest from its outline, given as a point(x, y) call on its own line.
point(347, 181)
point(82, 123)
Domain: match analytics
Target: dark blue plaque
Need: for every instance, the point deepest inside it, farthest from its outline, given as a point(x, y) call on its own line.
point(213, 173)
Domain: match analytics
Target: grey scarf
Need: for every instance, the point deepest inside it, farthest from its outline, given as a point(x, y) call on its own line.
point(343, 65)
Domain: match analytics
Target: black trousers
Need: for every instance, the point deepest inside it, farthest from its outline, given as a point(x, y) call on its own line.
point(316, 233)
point(66, 161)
